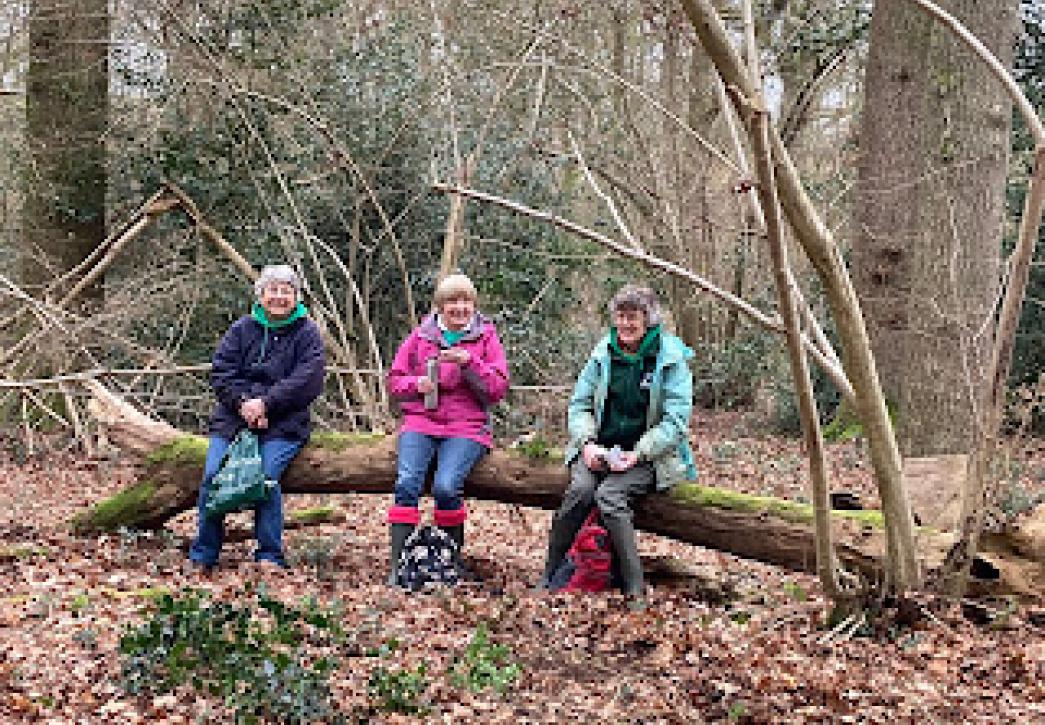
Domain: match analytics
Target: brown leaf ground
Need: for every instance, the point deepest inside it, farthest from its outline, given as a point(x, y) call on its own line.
point(64, 602)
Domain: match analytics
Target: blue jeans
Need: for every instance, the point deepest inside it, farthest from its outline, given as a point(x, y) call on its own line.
point(454, 459)
point(276, 455)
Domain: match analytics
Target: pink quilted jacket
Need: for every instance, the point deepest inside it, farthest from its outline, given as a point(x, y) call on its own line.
point(465, 392)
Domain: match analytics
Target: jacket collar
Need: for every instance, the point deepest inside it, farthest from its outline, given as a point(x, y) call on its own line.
point(429, 328)
point(649, 340)
point(259, 315)
point(672, 349)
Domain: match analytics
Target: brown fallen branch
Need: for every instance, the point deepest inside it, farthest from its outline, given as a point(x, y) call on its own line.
point(153, 203)
point(213, 235)
point(768, 530)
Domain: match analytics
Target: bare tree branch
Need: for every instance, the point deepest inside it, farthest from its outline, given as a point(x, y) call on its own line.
point(610, 204)
point(771, 323)
point(1023, 105)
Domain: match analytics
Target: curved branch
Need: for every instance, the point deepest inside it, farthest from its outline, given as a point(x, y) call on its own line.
point(1000, 72)
point(774, 324)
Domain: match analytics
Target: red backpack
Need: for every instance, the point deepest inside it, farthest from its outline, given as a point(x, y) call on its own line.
point(591, 557)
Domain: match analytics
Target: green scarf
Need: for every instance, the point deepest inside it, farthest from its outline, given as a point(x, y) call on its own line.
point(651, 338)
point(258, 313)
point(453, 337)
point(260, 316)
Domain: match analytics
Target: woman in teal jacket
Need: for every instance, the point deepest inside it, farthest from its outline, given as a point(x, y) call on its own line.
point(629, 431)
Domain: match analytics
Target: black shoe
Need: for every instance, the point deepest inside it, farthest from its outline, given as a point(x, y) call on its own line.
point(464, 572)
point(398, 534)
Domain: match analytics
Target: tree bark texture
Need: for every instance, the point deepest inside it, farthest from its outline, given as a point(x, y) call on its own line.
point(758, 124)
point(168, 485)
point(929, 213)
point(768, 530)
point(67, 113)
point(818, 243)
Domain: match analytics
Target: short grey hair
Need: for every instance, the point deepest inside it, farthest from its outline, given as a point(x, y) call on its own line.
point(283, 273)
point(638, 298)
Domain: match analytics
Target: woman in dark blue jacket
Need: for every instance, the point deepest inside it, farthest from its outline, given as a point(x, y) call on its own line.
point(267, 370)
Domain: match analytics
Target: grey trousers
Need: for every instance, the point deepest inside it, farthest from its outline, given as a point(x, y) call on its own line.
point(613, 493)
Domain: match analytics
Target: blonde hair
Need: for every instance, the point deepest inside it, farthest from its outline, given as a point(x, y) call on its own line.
point(453, 286)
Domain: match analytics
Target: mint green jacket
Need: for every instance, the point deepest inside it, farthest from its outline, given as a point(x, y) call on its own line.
point(666, 440)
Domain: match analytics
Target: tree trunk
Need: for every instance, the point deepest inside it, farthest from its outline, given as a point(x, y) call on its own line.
point(67, 113)
point(930, 211)
point(693, 321)
point(770, 530)
point(758, 124)
point(819, 245)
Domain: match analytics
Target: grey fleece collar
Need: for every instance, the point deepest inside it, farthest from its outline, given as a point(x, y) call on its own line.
point(430, 330)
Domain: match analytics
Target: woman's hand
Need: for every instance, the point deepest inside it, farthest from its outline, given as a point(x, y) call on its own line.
point(253, 411)
point(594, 456)
point(425, 385)
point(625, 460)
point(455, 355)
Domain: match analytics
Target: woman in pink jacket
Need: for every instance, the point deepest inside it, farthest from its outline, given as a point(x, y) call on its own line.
point(446, 375)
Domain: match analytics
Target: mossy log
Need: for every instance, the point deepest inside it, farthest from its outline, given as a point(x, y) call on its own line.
point(765, 529)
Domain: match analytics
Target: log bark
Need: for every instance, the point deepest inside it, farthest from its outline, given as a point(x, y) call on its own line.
point(764, 529)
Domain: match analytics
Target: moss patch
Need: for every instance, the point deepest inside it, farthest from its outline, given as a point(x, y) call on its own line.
point(845, 426)
point(867, 517)
point(124, 508)
point(314, 515)
point(697, 495)
point(187, 449)
point(538, 453)
point(538, 449)
point(337, 442)
point(153, 593)
point(21, 552)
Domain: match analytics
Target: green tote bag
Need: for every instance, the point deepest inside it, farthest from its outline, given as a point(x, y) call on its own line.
point(240, 482)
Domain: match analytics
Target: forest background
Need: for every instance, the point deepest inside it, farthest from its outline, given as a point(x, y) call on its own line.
point(152, 151)
point(313, 132)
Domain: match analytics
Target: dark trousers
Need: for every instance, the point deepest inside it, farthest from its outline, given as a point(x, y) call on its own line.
point(613, 493)
point(276, 455)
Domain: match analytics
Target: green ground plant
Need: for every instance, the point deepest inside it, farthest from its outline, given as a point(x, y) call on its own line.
point(484, 664)
point(250, 654)
point(536, 447)
point(399, 690)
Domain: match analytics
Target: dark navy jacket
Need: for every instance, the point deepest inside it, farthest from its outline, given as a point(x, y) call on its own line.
point(288, 378)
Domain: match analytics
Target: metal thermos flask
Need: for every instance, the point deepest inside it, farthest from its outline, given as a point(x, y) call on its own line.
point(432, 397)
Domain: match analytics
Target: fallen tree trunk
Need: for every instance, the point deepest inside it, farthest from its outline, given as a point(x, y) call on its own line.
point(770, 530)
